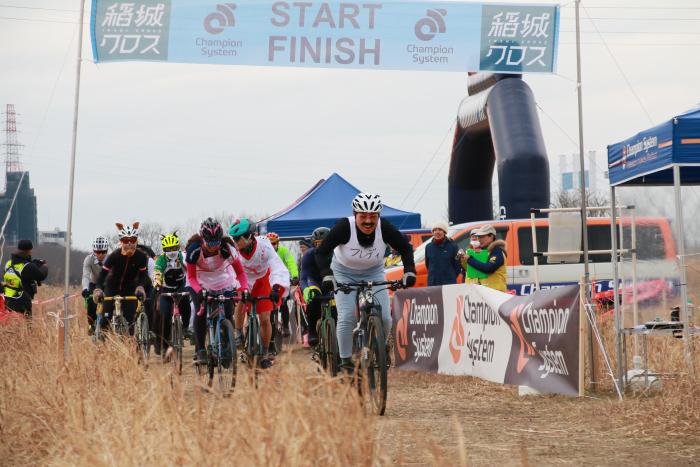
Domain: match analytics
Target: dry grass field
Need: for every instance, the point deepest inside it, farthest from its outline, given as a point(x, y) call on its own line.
point(101, 408)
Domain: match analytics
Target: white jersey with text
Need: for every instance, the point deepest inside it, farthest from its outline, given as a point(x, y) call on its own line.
point(355, 256)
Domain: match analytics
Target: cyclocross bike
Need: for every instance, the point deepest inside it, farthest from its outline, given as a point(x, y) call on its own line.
point(219, 342)
point(177, 334)
point(276, 342)
point(369, 341)
point(253, 348)
point(120, 326)
point(327, 347)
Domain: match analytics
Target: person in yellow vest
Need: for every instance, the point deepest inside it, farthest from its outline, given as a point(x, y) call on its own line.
point(22, 277)
point(495, 265)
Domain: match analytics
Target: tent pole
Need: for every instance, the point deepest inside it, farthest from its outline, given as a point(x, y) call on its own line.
point(582, 178)
point(680, 233)
point(69, 226)
point(616, 293)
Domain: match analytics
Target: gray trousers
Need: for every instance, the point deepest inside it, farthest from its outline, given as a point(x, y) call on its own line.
point(347, 319)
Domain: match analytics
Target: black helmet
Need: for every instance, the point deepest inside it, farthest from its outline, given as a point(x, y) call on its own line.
point(211, 231)
point(319, 234)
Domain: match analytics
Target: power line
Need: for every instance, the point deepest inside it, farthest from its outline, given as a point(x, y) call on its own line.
point(619, 68)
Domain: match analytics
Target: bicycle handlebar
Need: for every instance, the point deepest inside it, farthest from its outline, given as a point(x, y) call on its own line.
point(175, 294)
point(119, 298)
point(347, 287)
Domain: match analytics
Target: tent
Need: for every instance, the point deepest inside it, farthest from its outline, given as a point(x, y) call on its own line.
point(321, 206)
point(667, 154)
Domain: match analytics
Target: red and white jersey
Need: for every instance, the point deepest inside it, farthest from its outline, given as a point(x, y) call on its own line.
point(264, 257)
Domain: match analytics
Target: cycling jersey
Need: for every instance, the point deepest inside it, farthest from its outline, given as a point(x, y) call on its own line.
point(310, 273)
point(172, 273)
point(221, 271)
point(262, 258)
point(356, 250)
point(91, 271)
point(122, 274)
point(288, 259)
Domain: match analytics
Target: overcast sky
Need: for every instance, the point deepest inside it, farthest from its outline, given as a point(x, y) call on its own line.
point(170, 142)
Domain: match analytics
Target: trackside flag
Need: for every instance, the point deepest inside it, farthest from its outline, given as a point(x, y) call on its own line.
point(381, 35)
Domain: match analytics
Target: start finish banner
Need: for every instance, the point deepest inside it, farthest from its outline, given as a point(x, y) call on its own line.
point(467, 329)
point(381, 35)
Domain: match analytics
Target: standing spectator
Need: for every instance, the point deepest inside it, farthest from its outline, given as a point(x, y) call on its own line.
point(495, 265)
point(22, 277)
point(441, 258)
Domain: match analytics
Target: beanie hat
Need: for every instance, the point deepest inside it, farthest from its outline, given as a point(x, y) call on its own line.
point(440, 225)
point(25, 245)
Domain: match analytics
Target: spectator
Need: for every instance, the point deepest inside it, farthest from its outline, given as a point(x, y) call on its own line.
point(441, 258)
point(22, 277)
point(473, 275)
point(495, 265)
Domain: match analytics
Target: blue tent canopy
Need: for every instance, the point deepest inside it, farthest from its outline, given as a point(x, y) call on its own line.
point(321, 206)
point(648, 157)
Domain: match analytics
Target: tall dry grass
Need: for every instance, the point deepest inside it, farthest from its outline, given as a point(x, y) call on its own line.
point(101, 408)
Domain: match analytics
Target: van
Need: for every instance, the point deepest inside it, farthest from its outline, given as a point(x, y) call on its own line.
point(656, 253)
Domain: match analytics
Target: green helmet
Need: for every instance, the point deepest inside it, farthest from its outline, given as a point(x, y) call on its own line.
point(241, 227)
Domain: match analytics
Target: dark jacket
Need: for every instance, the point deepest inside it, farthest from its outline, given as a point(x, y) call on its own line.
point(32, 274)
point(442, 263)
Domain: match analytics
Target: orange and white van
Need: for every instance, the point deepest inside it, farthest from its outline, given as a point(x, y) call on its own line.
point(656, 253)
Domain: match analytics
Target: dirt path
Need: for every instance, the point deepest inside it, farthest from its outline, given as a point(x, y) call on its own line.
point(429, 416)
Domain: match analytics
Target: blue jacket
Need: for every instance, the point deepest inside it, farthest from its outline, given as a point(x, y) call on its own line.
point(442, 263)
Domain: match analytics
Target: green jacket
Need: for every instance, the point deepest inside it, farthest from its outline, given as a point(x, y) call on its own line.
point(288, 259)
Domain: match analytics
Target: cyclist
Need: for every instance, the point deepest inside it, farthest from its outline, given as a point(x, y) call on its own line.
point(310, 282)
point(212, 265)
point(266, 272)
point(356, 245)
point(288, 259)
point(21, 278)
point(124, 272)
point(92, 265)
point(170, 276)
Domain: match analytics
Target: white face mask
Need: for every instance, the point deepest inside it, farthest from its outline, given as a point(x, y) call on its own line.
point(475, 243)
point(171, 255)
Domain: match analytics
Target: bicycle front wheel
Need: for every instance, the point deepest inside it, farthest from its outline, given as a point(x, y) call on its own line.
point(121, 327)
point(227, 365)
point(331, 348)
point(374, 366)
point(277, 330)
point(178, 343)
point(142, 338)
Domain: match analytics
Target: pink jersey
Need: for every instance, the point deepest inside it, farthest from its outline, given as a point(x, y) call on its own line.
point(222, 271)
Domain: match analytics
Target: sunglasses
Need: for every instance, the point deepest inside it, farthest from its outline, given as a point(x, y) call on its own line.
point(171, 248)
point(128, 240)
point(100, 252)
point(246, 236)
point(214, 244)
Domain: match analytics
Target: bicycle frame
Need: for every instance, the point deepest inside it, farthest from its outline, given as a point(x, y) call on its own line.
point(118, 299)
point(215, 316)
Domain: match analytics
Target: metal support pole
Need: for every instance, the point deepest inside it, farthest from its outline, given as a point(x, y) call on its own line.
point(616, 293)
point(584, 214)
point(69, 227)
point(680, 232)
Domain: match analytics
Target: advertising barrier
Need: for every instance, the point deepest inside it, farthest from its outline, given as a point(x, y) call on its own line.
point(399, 35)
point(468, 329)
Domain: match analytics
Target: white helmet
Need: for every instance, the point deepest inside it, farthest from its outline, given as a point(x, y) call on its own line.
point(100, 244)
point(365, 202)
point(128, 230)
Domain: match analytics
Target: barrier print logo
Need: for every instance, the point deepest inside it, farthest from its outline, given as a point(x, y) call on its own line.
point(434, 23)
point(222, 18)
point(402, 331)
point(525, 346)
point(457, 332)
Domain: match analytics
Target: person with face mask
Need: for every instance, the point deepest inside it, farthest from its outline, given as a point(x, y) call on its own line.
point(170, 276)
point(92, 265)
point(353, 251)
point(124, 272)
point(473, 275)
point(494, 267)
point(267, 273)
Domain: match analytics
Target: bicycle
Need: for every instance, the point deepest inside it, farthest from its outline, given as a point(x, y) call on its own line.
point(369, 341)
point(277, 331)
point(253, 348)
point(177, 335)
point(219, 342)
point(120, 326)
point(327, 347)
point(297, 315)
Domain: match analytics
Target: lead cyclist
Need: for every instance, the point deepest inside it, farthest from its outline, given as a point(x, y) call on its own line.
point(356, 245)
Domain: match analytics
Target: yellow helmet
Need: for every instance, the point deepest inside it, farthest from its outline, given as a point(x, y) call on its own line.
point(170, 240)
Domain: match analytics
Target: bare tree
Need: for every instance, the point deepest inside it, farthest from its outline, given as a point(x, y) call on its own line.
point(572, 199)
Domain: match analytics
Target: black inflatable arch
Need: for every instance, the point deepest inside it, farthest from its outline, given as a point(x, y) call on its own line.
point(497, 125)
